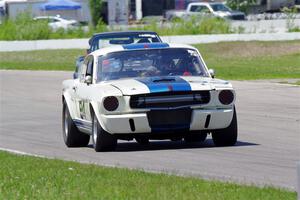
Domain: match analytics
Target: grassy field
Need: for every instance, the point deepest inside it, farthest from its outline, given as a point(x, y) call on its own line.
point(231, 60)
point(253, 60)
point(40, 60)
point(25, 177)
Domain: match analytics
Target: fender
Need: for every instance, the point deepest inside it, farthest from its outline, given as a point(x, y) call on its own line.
point(94, 107)
point(70, 103)
point(95, 97)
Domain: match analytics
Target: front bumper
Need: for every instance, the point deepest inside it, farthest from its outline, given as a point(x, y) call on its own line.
point(120, 124)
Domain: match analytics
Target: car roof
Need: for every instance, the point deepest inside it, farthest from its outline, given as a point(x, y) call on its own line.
point(120, 33)
point(139, 46)
point(125, 33)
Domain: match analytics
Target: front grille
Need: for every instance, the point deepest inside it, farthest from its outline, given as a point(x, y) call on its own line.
point(169, 120)
point(169, 99)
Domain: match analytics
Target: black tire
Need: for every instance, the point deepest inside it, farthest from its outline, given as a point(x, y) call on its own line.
point(72, 136)
point(195, 137)
point(142, 140)
point(227, 136)
point(102, 140)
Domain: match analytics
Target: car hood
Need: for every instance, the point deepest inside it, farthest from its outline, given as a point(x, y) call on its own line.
point(147, 85)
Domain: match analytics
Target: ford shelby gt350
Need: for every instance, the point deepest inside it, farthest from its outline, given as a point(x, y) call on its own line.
point(101, 40)
point(147, 91)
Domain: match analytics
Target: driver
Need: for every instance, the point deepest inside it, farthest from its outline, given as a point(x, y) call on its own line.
point(167, 66)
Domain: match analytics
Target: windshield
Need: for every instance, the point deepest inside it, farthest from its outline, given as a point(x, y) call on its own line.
point(105, 41)
point(220, 7)
point(150, 63)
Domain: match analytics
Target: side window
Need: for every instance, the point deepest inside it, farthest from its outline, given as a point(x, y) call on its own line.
point(90, 64)
point(95, 45)
point(51, 20)
point(205, 9)
point(202, 9)
point(195, 8)
point(84, 69)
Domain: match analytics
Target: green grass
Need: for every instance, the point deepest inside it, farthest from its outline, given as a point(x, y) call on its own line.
point(40, 60)
point(25, 177)
point(253, 60)
point(25, 28)
point(231, 60)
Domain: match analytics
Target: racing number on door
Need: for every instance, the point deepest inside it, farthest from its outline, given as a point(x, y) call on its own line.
point(82, 110)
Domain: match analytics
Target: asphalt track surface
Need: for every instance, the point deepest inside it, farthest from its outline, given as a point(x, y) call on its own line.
point(267, 151)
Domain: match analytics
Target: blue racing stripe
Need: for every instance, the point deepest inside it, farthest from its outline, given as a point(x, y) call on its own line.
point(165, 84)
point(146, 46)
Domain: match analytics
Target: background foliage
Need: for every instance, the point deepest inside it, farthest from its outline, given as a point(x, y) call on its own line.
point(95, 7)
point(242, 5)
point(25, 28)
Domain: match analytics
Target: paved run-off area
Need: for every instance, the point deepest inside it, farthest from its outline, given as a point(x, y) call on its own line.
point(267, 151)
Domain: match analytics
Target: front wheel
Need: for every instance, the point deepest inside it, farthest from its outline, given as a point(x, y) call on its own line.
point(72, 136)
point(102, 140)
point(226, 136)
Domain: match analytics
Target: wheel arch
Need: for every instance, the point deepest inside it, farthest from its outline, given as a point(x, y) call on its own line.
point(94, 110)
point(70, 104)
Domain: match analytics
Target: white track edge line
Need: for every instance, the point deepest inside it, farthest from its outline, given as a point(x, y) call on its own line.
point(21, 152)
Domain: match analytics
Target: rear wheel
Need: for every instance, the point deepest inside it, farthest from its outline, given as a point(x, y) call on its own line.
point(226, 136)
point(72, 136)
point(102, 140)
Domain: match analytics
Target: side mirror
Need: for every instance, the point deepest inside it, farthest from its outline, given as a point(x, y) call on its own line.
point(88, 79)
point(88, 51)
point(212, 73)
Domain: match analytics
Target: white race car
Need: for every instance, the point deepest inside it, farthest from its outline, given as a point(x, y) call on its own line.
point(147, 91)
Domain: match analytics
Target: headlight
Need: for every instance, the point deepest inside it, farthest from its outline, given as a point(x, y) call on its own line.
point(226, 97)
point(111, 103)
